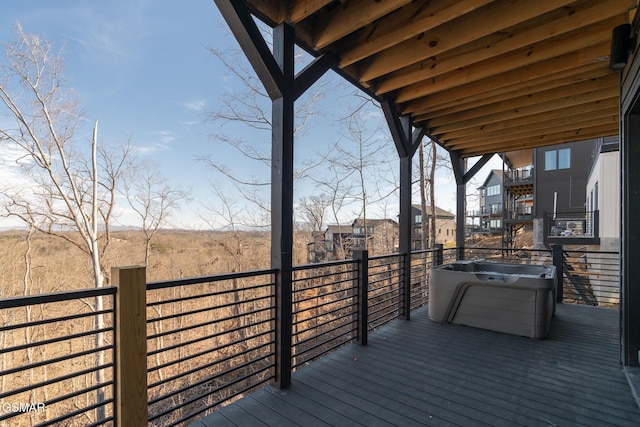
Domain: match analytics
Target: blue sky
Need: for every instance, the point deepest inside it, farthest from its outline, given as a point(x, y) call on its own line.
point(141, 67)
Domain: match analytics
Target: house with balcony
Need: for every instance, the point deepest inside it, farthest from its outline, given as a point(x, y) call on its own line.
point(491, 203)
point(445, 226)
point(544, 190)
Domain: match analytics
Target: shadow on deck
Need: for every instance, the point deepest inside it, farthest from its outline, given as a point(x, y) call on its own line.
point(424, 373)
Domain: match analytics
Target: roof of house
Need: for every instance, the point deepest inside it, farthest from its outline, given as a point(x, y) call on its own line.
point(339, 228)
point(360, 222)
point(496, 172)
point(440, 213)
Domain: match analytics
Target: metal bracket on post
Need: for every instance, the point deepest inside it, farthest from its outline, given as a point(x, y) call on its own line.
point(558, 262)
point(362, 285)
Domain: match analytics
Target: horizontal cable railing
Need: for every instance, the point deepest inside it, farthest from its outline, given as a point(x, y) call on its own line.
point(421, 263)
point(385, 289)
point(592, 278)
point(588, 277)
point(209, 340)
point(57, 355)
point(510, 255)
point(324, 308)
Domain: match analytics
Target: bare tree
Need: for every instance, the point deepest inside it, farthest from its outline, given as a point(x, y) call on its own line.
point(152, 199)
point(249, 109)
point(313, 210)
point(70, 186)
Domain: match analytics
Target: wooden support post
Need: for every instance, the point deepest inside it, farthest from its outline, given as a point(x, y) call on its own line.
point(558, 262)
point(407, 143)
point(438, 259)
point(131, 346)
point(362, 279)
point(282, 200)
point(404, 222)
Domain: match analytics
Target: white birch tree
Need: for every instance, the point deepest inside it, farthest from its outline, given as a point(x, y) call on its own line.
point(69, 184)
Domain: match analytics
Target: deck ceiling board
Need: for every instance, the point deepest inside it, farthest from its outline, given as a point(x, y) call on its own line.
point(481, 76)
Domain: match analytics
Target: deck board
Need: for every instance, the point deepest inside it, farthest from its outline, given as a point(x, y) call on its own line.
point(420, 372)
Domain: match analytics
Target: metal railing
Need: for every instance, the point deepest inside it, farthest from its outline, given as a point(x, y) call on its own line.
point(57, 355)
point(385, 276)
point(209, 340)
point(324, 303)
point(592, 278)
point(571, 225)
point(588, 277)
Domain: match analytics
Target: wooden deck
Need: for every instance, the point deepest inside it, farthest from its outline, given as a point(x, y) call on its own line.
point(424, 373)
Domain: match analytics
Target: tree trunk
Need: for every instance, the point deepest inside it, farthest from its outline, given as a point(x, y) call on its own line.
point(432, 194)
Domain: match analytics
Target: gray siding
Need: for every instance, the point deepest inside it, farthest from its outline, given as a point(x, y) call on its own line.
point(570, 184)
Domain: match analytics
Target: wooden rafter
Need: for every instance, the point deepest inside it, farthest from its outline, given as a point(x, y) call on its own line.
point(478, 75)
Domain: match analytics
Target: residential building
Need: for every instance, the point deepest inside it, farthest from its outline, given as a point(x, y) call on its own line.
point(445, 223)
point(603, 192)
point(543, 189)
point(378, 236)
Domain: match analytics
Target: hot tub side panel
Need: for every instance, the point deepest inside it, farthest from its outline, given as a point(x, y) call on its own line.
point(518, 305)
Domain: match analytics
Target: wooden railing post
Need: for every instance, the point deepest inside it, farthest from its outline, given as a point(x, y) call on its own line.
point(558, 262)
point(362, 279)
point(131, 346)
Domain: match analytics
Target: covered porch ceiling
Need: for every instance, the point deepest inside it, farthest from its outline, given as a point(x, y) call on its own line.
point(480, 76)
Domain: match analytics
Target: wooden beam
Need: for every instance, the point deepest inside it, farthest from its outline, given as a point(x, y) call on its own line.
point(302, 9)
point(521, 77)
point(590, 111)
point(396, 127)
point(511, 61)
point(562, 21)
point(274, 10)
point(611, 81)
point(557, 104)
point(408, 22)
point(556, 80)
point(350, 16)
point(252, 44)
point(523, 132)
point(543, 140)
point(282, 145)
point(312, 72)
point(476, 167)
point(449, 36)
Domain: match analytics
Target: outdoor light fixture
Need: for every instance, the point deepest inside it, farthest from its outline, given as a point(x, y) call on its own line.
point(620, 46)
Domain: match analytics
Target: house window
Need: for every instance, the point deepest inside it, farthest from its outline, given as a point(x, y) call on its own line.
point(557, 159)
point(495, 208)
point(493, 190)
point(495, 223)
point(418, 219)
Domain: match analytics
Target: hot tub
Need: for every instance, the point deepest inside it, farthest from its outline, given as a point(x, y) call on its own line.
point(512, 298)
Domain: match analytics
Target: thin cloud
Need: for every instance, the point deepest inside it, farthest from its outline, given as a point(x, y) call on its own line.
point(196, 105)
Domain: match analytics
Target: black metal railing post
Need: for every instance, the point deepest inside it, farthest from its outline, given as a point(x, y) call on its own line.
point(438, 259)
point(558, 262)
point(362, 285)
point(460, 253)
